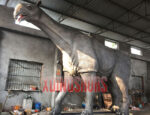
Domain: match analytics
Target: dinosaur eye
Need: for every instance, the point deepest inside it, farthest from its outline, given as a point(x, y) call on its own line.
point(29, 7)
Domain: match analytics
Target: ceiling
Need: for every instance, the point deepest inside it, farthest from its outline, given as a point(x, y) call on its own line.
point(128, 18)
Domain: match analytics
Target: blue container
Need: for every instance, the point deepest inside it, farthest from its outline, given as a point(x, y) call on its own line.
point(83, 105)
point(38, 106)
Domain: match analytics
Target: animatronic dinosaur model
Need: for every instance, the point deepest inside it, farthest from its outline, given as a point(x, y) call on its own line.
point(83, 55)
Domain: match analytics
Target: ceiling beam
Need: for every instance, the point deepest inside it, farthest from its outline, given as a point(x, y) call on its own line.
point(6, 2)
point(114, 20)
point(129, 10)
point(70, 8)
point(82, 20)
point(132, 12)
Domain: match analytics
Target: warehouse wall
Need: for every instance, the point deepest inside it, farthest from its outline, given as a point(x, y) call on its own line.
point(24, 47)
point(139, 67)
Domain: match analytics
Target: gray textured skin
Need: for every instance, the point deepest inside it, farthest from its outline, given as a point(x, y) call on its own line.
point(83, 55)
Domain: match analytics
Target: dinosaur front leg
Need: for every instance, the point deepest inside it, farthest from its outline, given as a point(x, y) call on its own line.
point(89, 79)
point(68, 81)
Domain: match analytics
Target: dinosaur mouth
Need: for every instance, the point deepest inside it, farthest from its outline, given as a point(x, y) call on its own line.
point(18, 15)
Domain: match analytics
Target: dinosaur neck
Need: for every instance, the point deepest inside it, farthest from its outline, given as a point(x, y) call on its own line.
point(56, 32)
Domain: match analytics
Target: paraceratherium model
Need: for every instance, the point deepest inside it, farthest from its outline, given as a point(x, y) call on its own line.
point(82, 55)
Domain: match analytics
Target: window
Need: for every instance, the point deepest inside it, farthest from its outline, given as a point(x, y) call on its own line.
point(26, 24)
point(136, 51)
point(111, 44)
point(24, 75)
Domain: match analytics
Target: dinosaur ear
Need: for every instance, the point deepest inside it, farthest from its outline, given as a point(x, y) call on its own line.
point(38, 3)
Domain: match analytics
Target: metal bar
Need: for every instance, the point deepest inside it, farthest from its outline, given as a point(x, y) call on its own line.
point(111, 29)
point(114, 20)
point(24, 75)
point(6, 2)
point(71, 8)
point(129, 10)
point(146, 36)
point(61, 17)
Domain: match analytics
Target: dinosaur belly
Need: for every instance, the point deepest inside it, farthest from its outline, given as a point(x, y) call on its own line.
point(87, 62)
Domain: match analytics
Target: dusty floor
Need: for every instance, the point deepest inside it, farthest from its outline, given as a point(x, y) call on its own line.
point(135, 113)
point(145, 111)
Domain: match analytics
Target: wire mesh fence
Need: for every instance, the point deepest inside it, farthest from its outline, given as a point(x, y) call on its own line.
point(24, 75)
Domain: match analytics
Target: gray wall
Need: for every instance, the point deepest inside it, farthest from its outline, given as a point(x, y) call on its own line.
point(24, 47)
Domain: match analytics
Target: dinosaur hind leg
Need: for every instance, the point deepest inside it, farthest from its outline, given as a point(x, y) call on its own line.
point(120, 77)
point(125, 99)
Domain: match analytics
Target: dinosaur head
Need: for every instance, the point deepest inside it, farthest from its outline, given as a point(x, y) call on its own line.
point(28, 12)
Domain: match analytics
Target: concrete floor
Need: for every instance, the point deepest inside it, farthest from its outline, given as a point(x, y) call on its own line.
point(145, 111)
point(133, 113)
